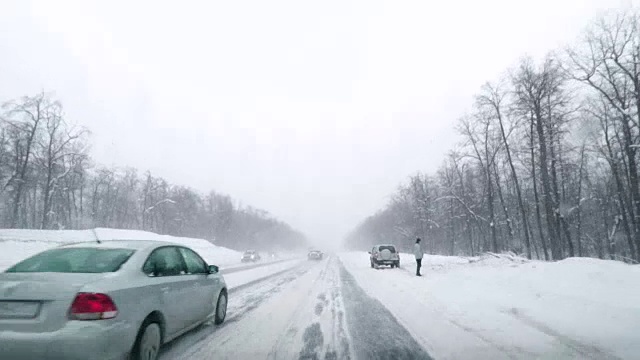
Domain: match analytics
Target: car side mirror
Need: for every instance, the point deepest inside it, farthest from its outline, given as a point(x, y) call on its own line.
point(369, 252)
point(213, 269)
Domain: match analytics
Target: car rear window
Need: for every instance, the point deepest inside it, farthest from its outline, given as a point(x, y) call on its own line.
point(387, 247)
point(74, 260)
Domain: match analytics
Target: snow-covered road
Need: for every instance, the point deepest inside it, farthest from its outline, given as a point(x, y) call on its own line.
point(486, 307)
point(502, 308)
point(313, 310)
point(463, 308)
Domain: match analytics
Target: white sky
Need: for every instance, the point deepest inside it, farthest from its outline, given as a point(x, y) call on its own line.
point(314, 111)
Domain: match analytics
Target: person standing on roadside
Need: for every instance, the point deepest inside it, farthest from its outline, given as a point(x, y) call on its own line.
point(417, 251)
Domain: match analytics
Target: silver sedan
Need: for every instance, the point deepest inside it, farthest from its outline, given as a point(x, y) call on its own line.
point(108, 300)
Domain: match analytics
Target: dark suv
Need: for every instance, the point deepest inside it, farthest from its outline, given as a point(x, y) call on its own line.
point(384, 255)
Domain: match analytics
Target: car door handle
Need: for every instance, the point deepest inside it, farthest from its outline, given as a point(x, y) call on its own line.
point(165, 289)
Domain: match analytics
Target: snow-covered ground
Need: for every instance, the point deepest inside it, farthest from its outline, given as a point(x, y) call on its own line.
point(18, 244)
point(505, 307)
point(288, 326)
point(244, 302)
point(314, 310)
point(259, 271)
point(486, 307)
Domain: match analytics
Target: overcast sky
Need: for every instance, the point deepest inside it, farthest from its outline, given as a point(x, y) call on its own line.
point(312, 110)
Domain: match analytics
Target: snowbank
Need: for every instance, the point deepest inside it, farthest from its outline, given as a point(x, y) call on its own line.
point(244, 277)
point(442, 262)
point(17, 244)
point(496, 306)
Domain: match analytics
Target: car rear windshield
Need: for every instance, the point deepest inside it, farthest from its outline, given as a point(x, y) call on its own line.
point(74, 260)
point(387, 247)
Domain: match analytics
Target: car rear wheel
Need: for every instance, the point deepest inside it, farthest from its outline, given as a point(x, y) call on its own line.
point(148, 343)
point(221, 308)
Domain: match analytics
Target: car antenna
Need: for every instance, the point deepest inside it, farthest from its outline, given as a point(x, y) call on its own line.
point(96, 235)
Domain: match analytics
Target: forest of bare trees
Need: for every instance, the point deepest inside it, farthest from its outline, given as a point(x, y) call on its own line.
point(547, 165)
point(48, 181)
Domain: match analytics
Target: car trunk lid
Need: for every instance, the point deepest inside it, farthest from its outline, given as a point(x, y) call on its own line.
point(38, 302)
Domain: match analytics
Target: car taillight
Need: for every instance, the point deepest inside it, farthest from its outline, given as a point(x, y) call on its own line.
point(93, 306)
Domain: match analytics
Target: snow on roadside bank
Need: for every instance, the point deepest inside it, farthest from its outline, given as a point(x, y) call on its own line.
point(244, 277)
point(443, 263)
point(467, 308)
point(18, 244)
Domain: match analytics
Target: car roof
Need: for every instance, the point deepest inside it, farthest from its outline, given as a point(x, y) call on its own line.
point(384, 245)
point(126, 244)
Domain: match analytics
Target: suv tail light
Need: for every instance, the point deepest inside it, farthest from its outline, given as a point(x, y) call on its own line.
point(93, 306)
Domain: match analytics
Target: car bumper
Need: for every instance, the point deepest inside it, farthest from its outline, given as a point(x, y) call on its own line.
point(386, 262)
point(86, 340)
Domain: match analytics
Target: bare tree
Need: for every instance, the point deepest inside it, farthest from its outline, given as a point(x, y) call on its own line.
point(59, 152)
point(536, 90)
point(25, 117)
point(479, 133)
point(493, 97)
point(608, 61)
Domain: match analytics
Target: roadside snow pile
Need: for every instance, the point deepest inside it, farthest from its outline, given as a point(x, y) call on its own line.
point(507, 307)
point(495, 259)
point(441, 262)
point(17, 244)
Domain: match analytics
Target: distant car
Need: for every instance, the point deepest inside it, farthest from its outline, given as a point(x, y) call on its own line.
point(109, 300)
point(315, 255)
point(250, 255)
point(384, 254)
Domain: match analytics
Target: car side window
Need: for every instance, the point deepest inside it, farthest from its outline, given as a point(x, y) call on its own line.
point(165, 261)
point(195, 264)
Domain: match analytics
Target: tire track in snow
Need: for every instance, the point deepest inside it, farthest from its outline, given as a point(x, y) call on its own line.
point(327, 337)
point(313, 312)
point(375, 332)
point(262, 321)
point(577, 348)
point(312, 338)
point(342, 349)
point(583, 350)
point(499, 351)
point(242, 300)
point(234, 269)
